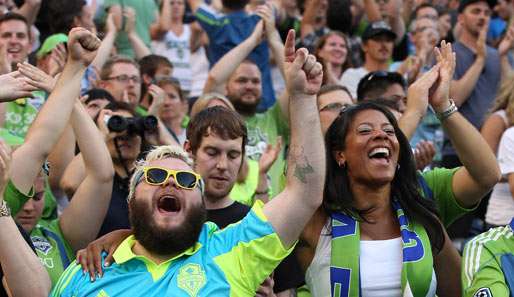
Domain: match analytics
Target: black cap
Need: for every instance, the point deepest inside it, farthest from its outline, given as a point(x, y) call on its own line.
point(464, 3)
point(378, 28)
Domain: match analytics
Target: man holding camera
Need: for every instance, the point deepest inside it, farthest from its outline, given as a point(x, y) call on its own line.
point(126, 136)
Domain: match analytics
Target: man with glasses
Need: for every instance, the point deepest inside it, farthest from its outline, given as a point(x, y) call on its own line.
point(331, 100)
point(121, 77)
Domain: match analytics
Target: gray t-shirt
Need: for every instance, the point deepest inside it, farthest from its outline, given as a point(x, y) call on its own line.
point(482, 97)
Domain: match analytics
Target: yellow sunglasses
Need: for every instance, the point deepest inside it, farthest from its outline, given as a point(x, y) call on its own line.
point(184, 179)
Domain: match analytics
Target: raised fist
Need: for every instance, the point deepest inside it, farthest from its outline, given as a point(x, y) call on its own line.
point(82, 46)
point(303, 73)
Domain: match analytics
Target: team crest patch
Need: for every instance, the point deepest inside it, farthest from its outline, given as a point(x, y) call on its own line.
point(41, 244)
point(483, 292)
point(191, 278)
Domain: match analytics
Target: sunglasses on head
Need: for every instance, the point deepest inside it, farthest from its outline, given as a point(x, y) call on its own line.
point(157, 176)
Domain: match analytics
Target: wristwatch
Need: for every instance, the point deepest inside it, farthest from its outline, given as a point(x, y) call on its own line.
point(448, 111)
point(4, 209)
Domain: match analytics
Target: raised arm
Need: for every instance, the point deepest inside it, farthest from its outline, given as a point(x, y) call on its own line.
point(461, 89)
point(194, 4)
point(163, 24)
point(309, 17)
point(81, 220)
point(140, 48)
point(503, 49)
point(104, 52)
point(290, 211)
point(46, 129)
point(480, 171)
point(23, 272)
point(223, 69)
point(29, 10)
point(417, 102)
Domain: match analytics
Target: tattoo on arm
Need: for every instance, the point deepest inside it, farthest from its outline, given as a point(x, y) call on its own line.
point(300, 163)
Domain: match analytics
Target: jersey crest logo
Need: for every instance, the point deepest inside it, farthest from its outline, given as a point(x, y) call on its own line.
point(191, 278)
point(483, 292)
point(41, 244)
point(102, 294)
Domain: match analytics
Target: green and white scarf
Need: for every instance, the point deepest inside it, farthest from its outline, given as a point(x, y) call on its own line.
point(344, 264)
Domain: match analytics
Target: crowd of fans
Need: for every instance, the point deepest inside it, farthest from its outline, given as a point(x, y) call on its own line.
point(256, 148)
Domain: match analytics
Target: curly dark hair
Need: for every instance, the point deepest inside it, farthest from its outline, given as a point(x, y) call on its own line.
point(405, 188)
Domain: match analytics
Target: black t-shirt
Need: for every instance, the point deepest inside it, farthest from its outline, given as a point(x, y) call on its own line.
point(228, 215)
point(288, 274)
point(117, 216)
point(29, 242)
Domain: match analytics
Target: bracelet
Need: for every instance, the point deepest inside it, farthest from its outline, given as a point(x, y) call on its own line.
point(448, 111)
point(265, 192)
point(5, 211)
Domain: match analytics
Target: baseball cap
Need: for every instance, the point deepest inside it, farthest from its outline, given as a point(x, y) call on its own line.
point(50, 43)
point(464, 3)
point(378, 28)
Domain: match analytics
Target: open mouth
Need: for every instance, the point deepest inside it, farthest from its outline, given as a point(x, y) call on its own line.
point(168, 204)
point(380, 154)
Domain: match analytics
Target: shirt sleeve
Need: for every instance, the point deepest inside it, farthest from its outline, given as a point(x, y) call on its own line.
point(15, 198)
point(248, 252)
point(209, 19)
point(439, 180)
point(487, 279)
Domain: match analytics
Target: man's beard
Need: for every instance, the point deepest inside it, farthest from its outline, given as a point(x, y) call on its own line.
point(163, 241)
point(244, 108)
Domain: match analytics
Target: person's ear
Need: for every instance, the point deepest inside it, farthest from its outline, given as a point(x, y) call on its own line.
point(340, 158)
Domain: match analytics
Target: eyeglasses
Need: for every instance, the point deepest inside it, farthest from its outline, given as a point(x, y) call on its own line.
point(125, 78)
point(157, 176)
point(334, 106)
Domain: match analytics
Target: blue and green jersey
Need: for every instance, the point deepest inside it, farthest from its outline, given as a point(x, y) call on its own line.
point(229, 262)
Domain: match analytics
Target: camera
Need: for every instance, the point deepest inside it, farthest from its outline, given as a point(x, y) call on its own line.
point(133, 125)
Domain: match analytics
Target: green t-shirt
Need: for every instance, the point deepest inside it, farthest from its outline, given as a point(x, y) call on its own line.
point(51, 247)
point(146, 11)
point(19, 114)
point(264, 128)
point(440, 182)
point(244, 192)
point(488, 264)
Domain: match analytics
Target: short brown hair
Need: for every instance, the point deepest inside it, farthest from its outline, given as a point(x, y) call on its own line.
point(222, 121)
point(106, 71)
point(174, 83)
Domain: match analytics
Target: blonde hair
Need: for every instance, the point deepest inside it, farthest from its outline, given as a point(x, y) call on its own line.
point(158, 153)
point(505, 98)
point(203, 101)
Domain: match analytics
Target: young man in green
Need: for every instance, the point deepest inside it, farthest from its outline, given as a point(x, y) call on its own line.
point(488, 264)
point(56, 240)
point(240, 79)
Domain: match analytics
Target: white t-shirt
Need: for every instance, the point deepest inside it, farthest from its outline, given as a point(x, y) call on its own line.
point(200, 71)
point(501, 204)
point(351, 78)
point(178, 50)
point(380, 267)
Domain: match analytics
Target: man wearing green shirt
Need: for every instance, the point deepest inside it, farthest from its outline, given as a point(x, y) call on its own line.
point(240, 79)
point(488, 264)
